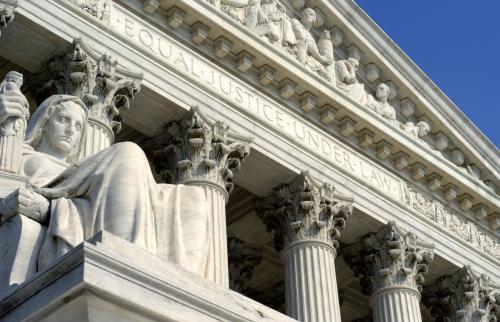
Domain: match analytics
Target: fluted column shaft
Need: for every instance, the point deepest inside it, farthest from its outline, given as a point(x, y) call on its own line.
point(307, 219)
point(310, 282)
point(217, 265)
point(396, 304)
point(198, 151)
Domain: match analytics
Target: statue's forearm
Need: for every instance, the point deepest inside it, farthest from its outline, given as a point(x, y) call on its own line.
point(236, 3)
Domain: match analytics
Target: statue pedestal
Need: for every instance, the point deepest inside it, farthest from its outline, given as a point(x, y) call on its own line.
point(109, 279)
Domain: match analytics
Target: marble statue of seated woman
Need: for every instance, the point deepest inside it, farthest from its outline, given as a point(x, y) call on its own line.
point(113, 190)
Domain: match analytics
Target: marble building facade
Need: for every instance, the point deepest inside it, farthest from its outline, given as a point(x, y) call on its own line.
point(288, 162)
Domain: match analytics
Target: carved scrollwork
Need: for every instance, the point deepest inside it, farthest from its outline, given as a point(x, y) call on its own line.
point(462, 296)
point(197, 148)
point(243, 259)
point(389, 257)
point(99, 9)
point(304, 210)
point(93, 78)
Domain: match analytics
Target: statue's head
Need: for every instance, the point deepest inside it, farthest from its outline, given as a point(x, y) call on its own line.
point(308, 16)
point(58, 127)
point(382, 91)
point(354, 62)
point(423, 128)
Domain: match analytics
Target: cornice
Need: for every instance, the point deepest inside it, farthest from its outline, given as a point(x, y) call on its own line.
point(264, 53)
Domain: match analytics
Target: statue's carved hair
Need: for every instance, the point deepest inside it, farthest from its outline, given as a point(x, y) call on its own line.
point(38, 121)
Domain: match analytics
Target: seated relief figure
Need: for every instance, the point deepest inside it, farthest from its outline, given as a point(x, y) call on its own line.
point(247, 12)
point(418, 130)
point(278, 23)
point(345, 71)
point(380, 104)
point(112, 190)
point(318, 57)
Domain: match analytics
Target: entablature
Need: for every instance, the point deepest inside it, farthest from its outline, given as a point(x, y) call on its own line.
point(438, 161)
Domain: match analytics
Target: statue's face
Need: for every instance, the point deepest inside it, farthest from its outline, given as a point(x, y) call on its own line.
point(382, 91)
point(64, 128)
point(308, 16)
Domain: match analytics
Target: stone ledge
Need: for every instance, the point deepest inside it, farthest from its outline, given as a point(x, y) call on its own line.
point(108, 278)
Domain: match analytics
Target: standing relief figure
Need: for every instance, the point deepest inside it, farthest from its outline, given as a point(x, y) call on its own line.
point(112, 190)
point(380, 103)
point(347, 82)
point(318, 58)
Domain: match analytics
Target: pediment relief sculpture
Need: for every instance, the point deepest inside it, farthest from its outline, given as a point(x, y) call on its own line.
point(6, 15)
point(112, 190)
point(380, 104)
point(295, 35)
point(316, 56)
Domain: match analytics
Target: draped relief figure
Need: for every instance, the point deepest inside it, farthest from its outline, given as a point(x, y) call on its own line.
point(278, 24)
point(380, 103)
point(112, 190)
point(347, 81)
point(247, 12)
point(318, 57)
point(418, 130)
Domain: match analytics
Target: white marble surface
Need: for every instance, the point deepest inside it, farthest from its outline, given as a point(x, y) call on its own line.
point(108, 279)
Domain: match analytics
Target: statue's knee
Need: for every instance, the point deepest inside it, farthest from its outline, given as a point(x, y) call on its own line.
point(132, 150)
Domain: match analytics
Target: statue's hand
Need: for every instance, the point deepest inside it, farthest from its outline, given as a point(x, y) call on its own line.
point(326, 60)
point(27, 203)
point(12, 103)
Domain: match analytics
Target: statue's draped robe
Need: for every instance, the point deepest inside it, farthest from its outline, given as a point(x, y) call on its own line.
point(115, 191)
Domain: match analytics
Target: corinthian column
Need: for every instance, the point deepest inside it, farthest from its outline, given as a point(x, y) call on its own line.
point(462, 297)
point(200, 152)
point(391, 264)
point(307, 219)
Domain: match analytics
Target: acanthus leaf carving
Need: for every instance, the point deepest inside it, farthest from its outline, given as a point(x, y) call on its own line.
point(199, 149)
point(243, 259)
point(389, 257)
point(304, 210)
point(462, 296)
point(96, 80)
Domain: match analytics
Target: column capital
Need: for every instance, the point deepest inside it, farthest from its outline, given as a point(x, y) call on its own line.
point(243, 258)
point(389, 258)
point(463, 296)
point(304, 210)
point(200, 150)
point(7, 11)
point(95, 78)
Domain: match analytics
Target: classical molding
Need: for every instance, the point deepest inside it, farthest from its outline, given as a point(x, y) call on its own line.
point(243, 258)
point(389, 258)
point(304, 210)
point(199, 149)
point(464, 296)
point(7, 11)
point(294, 127)
point(97, 80)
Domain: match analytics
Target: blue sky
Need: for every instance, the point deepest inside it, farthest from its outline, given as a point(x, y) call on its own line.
point(457, 44)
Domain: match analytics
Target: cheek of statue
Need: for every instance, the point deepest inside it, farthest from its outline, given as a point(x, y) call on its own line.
point(64, 130)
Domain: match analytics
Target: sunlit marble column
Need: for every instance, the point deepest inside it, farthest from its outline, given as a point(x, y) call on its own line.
point(202, 153)
point(391, 264)
point(463, 296)
point(307, 219)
